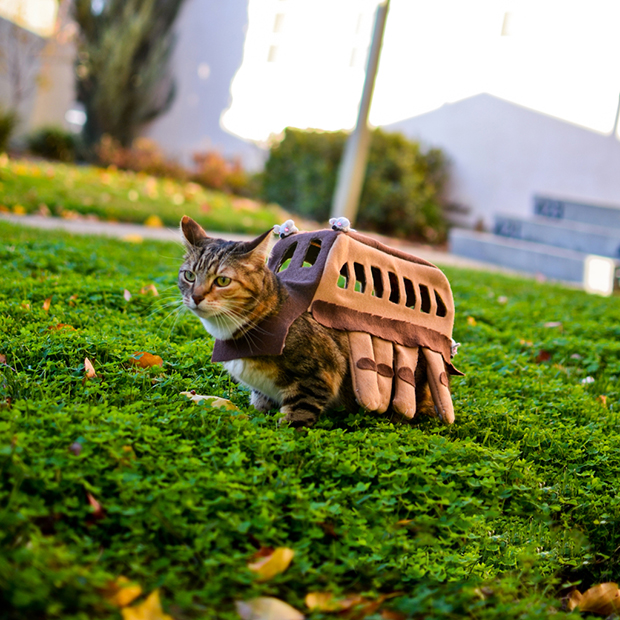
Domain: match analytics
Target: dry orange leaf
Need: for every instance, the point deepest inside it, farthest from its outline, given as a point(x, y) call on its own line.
point(150, 609)
point(60, 326)
point(603, 400)
point(72, 300)
point(149, 289)
point(153, 221)
point(89, 368)
point(272, 565)
point(98, 512)
point(322, 601)
point(146, 360)
point(603, 599)
point(122, 592)
point(471, 321)
point(266, 608)
point(2, 358)
point(47, 303)
point(390, 614)
point(212, 401)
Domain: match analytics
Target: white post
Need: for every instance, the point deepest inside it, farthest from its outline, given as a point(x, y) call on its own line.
point(353, 164)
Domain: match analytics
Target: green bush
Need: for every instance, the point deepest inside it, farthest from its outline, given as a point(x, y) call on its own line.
point(53, 143)
point(8, 120)
point(402, 193)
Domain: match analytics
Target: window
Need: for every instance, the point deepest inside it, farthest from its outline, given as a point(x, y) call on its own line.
point(360, 278)
point(343, 278)
point(377, 282)
point(394, 288)
point(426, 299)
point(312, 253)
point(409, 293)
point(288, 255)
point(441, 307)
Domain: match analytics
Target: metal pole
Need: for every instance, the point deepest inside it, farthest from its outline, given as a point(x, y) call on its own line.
point(353, 164)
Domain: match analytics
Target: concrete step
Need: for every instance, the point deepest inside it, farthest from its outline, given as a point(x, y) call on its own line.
point(586, 238)
point(559, 209)
point(526, 256)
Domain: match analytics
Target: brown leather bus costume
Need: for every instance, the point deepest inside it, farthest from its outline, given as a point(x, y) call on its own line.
point(393, 305)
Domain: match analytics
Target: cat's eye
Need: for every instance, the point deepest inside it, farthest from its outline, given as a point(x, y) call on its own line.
point(222, 281)
point(190, 276)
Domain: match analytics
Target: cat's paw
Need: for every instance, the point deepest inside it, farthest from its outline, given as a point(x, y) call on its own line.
point(263, 403)
point(298, 420)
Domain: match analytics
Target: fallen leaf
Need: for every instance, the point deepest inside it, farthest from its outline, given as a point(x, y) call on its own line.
point(390, 614)
point(573, 600)
point(404, 521)
point(266, 608)
point(60, 326)
point(2, 358)
point(272, 565)
point(471, 321)
point(89, 368)
point(322, 601)
point(603, 400)
point(527, 343)
point(72, 300)
point(153, 221)
point(25, 305)
point(98, 512)
point(329, 529)
point(543, 356)
point(553, 324)
point(146, 360)
point(126, 295)
point(603, 599)
point(47, 303)
point(212, 401)
point(133, 238)
point(122, 592)
point(150, 609)
point(149, 289)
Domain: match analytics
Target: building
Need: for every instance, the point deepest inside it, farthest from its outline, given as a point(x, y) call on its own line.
point(503, 154)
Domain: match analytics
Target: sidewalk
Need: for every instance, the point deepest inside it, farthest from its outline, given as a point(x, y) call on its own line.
point(134, 231)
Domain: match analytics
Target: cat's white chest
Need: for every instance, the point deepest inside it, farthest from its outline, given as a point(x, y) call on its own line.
point(254, 376)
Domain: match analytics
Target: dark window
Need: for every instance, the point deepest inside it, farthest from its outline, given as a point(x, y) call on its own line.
point(288, 255)
point(343, 278)
point(377, 282)
point(409, 293)
point(441, 307)
point(394, 288)
point(360, 278)
point(312, 253)
point(426, 299)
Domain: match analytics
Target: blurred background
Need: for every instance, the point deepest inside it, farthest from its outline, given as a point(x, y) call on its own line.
point(479, 106)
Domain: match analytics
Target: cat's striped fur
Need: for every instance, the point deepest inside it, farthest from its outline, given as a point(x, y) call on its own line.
point(228, 286)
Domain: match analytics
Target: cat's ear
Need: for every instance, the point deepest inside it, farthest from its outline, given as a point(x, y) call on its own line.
point(256, 250)
point(192, 232)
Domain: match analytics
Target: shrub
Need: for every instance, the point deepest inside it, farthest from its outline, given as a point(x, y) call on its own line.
point(144, 155)
point(402, 193)
point(214, 171)
point(8, 120)
point(53, 143)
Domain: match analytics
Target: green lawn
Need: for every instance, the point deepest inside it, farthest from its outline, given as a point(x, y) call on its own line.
point(494, 517)
point(70, 191)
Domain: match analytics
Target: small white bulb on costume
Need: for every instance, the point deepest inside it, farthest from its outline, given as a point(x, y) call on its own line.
point(286, 229)
point(340, 223)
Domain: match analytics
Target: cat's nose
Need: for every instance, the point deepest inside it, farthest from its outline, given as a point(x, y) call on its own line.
point(197, 298)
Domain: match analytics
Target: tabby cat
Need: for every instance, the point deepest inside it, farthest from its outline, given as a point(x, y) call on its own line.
point(228, 286)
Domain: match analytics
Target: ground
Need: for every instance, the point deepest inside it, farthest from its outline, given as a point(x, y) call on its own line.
point(118, 474)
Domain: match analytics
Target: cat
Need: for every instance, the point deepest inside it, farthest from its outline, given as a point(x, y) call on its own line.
point(228, 286)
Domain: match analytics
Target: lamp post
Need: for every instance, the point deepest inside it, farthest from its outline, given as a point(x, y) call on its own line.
point(353, 164)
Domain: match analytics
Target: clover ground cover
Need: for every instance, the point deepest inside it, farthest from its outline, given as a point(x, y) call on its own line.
point(494, 517)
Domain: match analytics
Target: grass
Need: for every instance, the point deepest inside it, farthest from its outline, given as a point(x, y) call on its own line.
point(497, 516)
point(70, 191)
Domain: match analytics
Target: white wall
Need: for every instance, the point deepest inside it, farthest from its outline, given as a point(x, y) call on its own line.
point(502, 154)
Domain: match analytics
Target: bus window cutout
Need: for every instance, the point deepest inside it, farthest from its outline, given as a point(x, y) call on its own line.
point(288, 256)
point(409, 294)
point(377, 282)
point(441, 307)
point(426, 299)
point(312, 253)
point(360, 278)
point(394, 288)
point(343, 278)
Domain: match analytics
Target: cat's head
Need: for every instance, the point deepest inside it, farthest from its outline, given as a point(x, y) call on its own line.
point(222, 281)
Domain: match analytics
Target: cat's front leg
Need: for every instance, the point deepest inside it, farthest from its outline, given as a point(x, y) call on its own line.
point(303, 403)
point(263, 403)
